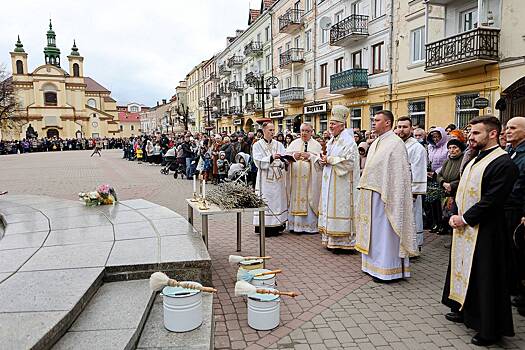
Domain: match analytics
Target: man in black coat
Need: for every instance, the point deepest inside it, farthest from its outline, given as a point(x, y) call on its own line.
point(514, 208)
point(479, 295)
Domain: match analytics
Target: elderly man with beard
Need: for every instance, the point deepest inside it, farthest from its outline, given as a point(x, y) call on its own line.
point(338, 189)
point(417, 156)
point(271, 180)
point(304, 182)
point(477, 285)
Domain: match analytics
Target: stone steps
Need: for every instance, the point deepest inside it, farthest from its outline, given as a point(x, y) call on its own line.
point(113, 319)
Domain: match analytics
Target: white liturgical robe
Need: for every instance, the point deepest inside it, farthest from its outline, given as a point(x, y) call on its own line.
point(304, 187)
point(417, 156)
point(270, 182)
point(338, 192)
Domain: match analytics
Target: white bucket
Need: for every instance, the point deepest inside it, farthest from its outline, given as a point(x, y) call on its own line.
point(182, 308)
point(251, 264)
point(263, 281)
point(263, 311)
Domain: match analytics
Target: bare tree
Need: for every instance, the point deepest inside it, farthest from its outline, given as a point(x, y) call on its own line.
point(10, 125)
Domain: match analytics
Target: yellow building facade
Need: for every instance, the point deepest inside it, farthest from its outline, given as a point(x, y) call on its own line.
point(58, 103)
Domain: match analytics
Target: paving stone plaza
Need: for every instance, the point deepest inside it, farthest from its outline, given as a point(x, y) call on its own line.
point(339, 307)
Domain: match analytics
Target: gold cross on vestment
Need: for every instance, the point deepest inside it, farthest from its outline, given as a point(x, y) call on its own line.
point(472, 192)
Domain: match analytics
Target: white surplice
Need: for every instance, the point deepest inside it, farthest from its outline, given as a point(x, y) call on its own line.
point(304, 185)
point(417, 156)
point(339, 192)
point(271, 182)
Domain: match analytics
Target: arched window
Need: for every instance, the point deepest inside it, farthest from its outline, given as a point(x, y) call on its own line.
point(50, 94)
point(19, 67)
point(76, 70)
point(92, 103)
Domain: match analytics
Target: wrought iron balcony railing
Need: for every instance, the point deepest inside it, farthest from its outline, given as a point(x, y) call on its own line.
point(237, 86)
point(352, 28)
point(213, 76)
point(349, 80)
point(291, 21)
point(223, 70)
point(224, 92)
point(235, 110)
point(254, 48)
point(469, 49)
point(292, 95)
point(235, 61)
point(294, 55)
point(253, 106)
point(250, 77)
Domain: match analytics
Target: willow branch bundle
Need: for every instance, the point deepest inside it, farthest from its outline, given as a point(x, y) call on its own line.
point(234, 196)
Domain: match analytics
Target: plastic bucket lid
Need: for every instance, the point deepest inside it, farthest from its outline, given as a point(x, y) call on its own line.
point(180, 292)
point(251, 262)
point(262, 278)
point(264, 297)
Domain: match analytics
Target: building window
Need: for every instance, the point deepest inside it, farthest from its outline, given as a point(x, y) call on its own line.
point(468, 20)
point(324, 35)
point(50, 98)
point(288, 82)
point(19, 67)
point(323, 122)
point(134, 109)
point(92, 103)
point(324, 75)
point(373, 111)
point(121, 128)
point(132, 127)
point(308, 78)
point(357, 8)
point(307, 5)
point(417, 45)
point(355, 118)
point(267, 33)
point(464, 110)
point(76, 70)
point(377, 8)
point(308, 40)
point(357, 60)
point(297, 79)
point(297, 42)
point(416, 112)
point(377, 60)
point(338, 17)
point(338, 63)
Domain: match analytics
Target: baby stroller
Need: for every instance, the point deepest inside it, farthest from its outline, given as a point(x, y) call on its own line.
point(240, 169)
point(170, 162)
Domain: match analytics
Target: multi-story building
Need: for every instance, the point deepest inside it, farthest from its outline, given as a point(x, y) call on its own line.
point(447, 56)
point(246, 61)
point(159, 119)
point(129, 119)
point(57, 103)
point(195, 94)
point(211, 102)
point(181, 104)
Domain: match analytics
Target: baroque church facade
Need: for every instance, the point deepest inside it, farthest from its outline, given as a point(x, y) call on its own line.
point(54, 102)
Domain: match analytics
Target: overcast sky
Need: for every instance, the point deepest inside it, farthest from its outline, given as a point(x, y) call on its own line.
point(137, 49)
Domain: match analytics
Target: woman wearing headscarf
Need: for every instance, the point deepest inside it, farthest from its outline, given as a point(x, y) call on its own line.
point(437, 154)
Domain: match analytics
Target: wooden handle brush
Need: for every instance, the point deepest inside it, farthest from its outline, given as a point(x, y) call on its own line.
point(244, 288)
point(159, 280)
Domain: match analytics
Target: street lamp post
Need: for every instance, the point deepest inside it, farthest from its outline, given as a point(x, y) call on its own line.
point(208, 108)
point(262, 87)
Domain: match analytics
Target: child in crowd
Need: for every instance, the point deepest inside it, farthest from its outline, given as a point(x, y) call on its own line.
point(223, 166)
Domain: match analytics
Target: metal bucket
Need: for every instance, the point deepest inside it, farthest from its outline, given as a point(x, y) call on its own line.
point(263, 281)
point(182, 308)
point(263, 311)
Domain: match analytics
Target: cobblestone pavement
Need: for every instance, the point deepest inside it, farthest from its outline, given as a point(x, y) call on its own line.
point(339, 307)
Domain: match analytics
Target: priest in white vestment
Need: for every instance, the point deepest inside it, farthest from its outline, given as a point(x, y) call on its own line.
point(271, 180)
point(304, 182)
point(386, 234)
point(338, 190)
point(417, 156)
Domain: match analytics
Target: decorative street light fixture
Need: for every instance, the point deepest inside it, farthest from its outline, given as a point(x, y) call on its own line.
point(208, 108)
point(262, 87)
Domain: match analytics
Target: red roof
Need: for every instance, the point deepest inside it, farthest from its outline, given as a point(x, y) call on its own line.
point(93, 86)
point(253, 16)
point(128, 117)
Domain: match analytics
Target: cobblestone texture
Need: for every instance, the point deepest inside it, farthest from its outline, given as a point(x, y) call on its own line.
point(340, 308)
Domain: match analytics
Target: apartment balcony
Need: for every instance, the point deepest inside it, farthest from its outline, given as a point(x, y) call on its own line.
point(291, 56)
point(253, 49)
point(292, 95)
point(250, 77)
point(473, 48)
point(235, 61)
point(253, 106)
point(348, 81)
point(236, 86)
point(213, 76)
point(291, 22)
point(235, 110)
point(224, 70)
point(224, 92)
point(349, 30)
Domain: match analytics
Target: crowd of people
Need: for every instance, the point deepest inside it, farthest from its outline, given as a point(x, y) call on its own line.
point(29, 145)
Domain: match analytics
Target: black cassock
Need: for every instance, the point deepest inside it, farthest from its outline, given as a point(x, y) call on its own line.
point(487, 307)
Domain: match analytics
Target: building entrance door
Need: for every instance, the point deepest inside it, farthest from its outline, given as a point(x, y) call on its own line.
point(512, 102)
point(52, 133)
